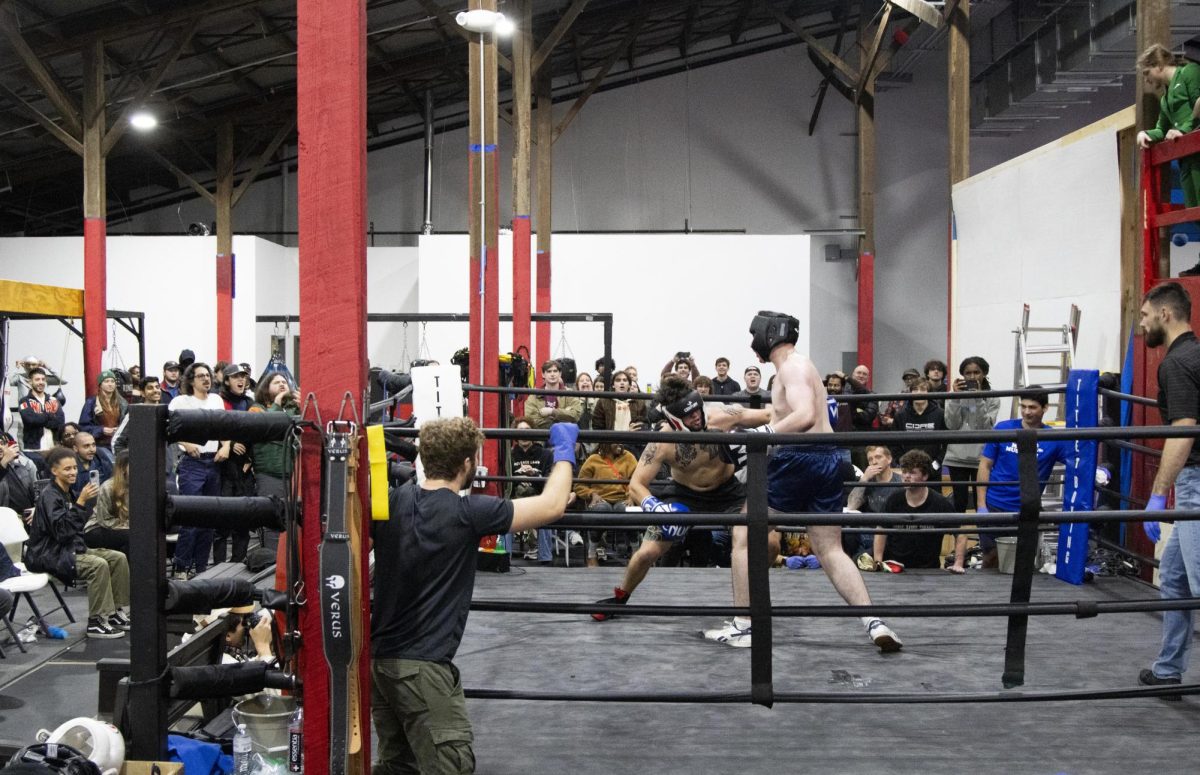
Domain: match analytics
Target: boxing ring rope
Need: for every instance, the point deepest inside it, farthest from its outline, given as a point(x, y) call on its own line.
point(1083, 399)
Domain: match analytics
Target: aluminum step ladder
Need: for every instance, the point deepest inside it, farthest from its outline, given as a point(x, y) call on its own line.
point(1042, 352)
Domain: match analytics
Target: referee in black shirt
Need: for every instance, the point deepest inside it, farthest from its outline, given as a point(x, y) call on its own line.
point(1166, 317)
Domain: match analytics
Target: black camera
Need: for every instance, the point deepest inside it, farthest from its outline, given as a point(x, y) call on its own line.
point(971, 384)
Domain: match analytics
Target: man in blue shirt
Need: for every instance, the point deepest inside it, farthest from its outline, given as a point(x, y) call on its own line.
point(999, 461)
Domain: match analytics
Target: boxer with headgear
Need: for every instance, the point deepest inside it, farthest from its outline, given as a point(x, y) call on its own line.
point(800, 478)
point(702, 475)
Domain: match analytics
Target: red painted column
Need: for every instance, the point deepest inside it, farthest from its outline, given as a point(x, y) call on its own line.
point(522, 295)
point(866, 309)
point(543, 305)
point(225, 307)
point(331, 120)
point(95, 300)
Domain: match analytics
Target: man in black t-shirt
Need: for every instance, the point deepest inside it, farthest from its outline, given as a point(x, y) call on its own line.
point(919, 550)
point(424, 578)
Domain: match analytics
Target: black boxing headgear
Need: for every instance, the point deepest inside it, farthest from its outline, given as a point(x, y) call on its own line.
point(681, 408)
point(770, 329)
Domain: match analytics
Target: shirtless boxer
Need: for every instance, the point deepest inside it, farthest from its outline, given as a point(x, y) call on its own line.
point(800, 478)
point(701, 476)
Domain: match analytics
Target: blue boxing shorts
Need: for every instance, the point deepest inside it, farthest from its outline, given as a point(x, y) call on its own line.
point(727, 498)
point(805, 478)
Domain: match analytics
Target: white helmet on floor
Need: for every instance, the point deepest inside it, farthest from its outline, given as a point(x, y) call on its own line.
point(100, 742)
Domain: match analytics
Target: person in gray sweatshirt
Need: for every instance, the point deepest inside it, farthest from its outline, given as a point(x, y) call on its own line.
point(962, 460)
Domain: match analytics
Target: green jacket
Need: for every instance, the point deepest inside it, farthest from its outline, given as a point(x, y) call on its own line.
point(269, 455)
point(1175, 107)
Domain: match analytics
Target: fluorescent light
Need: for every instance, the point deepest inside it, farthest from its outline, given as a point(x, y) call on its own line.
point(504, 26)
point(143, 121)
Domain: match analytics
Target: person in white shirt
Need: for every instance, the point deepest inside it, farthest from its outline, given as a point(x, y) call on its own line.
point(198, 470)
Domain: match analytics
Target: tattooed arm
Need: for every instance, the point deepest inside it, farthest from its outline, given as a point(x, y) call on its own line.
point(647, 468)
point(728, 417)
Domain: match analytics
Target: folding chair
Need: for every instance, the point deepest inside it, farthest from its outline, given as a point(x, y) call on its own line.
point(13, 538)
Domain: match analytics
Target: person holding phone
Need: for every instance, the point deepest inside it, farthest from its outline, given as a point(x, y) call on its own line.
point(18, 478)
point(91, 465)
point(973, 413)
point(108, 525)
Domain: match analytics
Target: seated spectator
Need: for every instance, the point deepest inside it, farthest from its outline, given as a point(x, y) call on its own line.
point(610, 461)
point(683, 365)
point(102, 413)
point(879, 469)
point(41, 414)
point(544, 409)
point(108, 525)
point(753, 379)
point(56, 546)
point(613, 414)
point(973, 413)
point(887, 415)
point(530, 458)
point(920, 549)
point(723, 384)
point(921, 414)
point(18, 479)
point(88, 460)
point(703, 385)
point(69, 431)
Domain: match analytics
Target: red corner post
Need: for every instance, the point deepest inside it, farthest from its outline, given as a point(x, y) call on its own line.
point(331, 119)
point(866, 309)
point(95, 300)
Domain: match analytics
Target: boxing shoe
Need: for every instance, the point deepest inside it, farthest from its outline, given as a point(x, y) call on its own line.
point(883, 637)
point(730, 635)
point(1148, 678)
point(620, 597)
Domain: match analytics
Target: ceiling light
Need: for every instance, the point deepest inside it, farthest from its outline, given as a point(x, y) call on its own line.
point(143, 121)
point(481, 20)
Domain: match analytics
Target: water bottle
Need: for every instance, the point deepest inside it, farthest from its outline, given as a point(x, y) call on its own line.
point(296, 741)
point(242, 745)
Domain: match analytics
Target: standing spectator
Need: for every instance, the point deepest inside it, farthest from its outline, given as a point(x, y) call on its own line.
point(56, 546)
point(272, 461)
point(972, 413)
point(134, 387)
point(863, 413)
point(723, 384)
point(614, 414)
point(544, 409)
point(632, 373)
point(584, 382)
point(935, 372)
point(170, 380)
point(198, 472)
point(918, 549)
point(703, 385)
point(102, 413)
point(604, 371)
point(921, 414)
point(683, 365)
point(753, 378)
point(1179, 84)
point(152, 392)
point(1166, 320)
point(69, 432)
point(88, 459)
point(840, 413)
point(41, 414)
point(999, 460)
point(237, 476)
point(20, 379)
point(887, 415)
point(108, 525)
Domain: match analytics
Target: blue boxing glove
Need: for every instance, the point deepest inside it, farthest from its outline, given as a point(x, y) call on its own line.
point(796, 563)
point(1153, 529)
point(669, 532)
point(563, 436)
point(981, 508)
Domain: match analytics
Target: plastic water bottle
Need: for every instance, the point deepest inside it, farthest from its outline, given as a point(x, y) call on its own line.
point(296, 741)
point(242, 745)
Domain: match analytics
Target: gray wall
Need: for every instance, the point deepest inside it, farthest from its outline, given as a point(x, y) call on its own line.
point(725, 147)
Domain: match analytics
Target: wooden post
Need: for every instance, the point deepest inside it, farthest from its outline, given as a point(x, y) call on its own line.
point(1153, 26)
point(331, 89)
point(483, 222)
point(95, 272)
point(225, 260)
point(545, 160)
point(522, 103)
point(959, 136)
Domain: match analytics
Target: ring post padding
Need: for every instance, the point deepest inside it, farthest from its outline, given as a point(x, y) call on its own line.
point(1079, 481)
point(1027, 538)
point(761, 690)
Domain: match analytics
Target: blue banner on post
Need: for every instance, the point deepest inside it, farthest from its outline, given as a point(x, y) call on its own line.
point(1079, 480)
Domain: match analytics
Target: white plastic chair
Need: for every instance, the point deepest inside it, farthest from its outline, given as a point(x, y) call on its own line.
point(13, 538)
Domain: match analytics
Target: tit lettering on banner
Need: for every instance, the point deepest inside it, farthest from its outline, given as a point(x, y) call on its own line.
point(437, 392)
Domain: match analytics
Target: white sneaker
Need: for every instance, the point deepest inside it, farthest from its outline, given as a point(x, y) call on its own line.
point(730, 635)
point(883, 637)
point(573, 538)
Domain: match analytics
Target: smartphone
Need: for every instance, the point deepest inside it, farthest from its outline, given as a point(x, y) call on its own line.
point(94, 477)
point(972, 384)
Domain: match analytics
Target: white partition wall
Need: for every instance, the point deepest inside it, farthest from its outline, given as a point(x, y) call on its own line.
point(1042, 229)
point(667, 293)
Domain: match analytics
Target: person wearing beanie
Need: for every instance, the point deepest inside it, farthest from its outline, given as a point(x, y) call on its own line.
point(102, 413)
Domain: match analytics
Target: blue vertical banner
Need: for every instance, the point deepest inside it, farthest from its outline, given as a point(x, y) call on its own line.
point(1079, 480)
